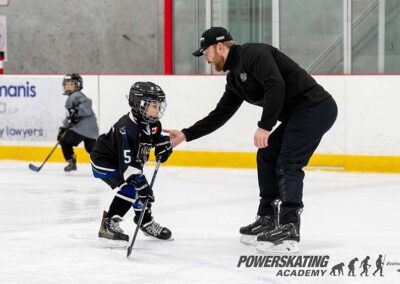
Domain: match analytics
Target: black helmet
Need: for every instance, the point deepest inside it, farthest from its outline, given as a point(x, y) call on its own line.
point(145, 94)
point(74, 78)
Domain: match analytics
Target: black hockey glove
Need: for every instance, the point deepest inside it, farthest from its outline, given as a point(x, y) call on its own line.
point(73, 117)
point(143, 188)
point(61, 132)
point(163, 149)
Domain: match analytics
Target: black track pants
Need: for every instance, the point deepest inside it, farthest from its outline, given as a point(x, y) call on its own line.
point(290, 147)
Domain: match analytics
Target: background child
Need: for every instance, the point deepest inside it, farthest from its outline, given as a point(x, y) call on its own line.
point(80, 123)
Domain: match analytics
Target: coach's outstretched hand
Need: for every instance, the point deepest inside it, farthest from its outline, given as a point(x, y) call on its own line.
point(177, 137)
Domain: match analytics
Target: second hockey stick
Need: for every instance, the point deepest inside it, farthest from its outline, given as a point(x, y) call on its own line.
point(144, 206)
point(36, 168)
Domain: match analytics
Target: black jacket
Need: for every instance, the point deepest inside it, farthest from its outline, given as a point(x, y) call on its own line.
point(126, 147)
point(260, 75)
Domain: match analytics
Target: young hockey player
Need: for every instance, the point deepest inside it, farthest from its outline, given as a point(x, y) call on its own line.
point(80, 123)
point(118, 158)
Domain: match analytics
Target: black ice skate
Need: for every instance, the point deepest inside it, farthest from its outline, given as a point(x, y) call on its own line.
point(154, 230)
point(283, 239)
point(261, 225)
point(71, 166)
point(111, 233)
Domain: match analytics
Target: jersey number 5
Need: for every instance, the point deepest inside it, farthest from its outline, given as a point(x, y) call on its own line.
point(127, 156)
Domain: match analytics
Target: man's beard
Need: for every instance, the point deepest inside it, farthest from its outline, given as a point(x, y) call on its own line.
point(218, 63)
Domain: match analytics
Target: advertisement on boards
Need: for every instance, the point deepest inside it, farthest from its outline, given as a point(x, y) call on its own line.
point(31, 108)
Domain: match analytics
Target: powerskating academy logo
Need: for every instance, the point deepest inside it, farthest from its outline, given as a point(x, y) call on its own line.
point(289, 265)
point(319, 265)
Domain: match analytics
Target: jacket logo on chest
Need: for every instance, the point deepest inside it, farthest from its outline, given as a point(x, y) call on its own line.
point(143, 152)
point(243, 77)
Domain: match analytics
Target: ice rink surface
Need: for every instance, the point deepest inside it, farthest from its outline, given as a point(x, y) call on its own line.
point(49, 224)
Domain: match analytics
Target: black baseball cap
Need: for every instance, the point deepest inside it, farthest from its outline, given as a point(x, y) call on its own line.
point(212, 36)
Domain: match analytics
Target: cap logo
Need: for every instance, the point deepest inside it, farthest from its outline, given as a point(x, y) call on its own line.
point(220, 37)
point(243, 77)
point(202, 39)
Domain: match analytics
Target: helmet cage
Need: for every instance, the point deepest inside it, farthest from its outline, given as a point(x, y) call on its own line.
point(74, 78)
point(145, 105)
point(142, 98)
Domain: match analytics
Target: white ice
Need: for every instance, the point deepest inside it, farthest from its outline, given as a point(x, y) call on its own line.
point(49, 223)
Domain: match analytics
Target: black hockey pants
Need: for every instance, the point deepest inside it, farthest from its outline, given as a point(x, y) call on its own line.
point(72, 139)
point(290, 147)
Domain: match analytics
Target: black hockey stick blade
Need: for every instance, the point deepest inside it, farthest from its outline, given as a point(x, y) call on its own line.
point(129, 251)
point(34, 168)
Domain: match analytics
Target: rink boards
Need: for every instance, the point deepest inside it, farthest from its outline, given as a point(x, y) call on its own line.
point(364, 137)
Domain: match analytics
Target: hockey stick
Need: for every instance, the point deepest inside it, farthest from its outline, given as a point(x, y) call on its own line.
point(144, 206)
point(36, 168)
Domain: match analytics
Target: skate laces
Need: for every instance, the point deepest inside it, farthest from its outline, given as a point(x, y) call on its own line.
point(258, 220)
point(261, 220)
point(254, 223)
point(155, 229)
point(277, 229)
point(114, 224)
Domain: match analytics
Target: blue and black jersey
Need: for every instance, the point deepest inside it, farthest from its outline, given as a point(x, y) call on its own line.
point(123, 151)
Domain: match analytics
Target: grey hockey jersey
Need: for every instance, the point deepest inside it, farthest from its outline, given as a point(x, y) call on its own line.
point(87, 124)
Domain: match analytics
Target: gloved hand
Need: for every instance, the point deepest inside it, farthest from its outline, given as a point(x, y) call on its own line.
point(61, 132)
point(143, 188)
point(73, 117)
point(163, 149)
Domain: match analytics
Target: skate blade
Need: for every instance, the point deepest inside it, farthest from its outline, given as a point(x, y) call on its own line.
point(249, 240)
point(284, 247)
point(157, 239)
point(114, 244)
